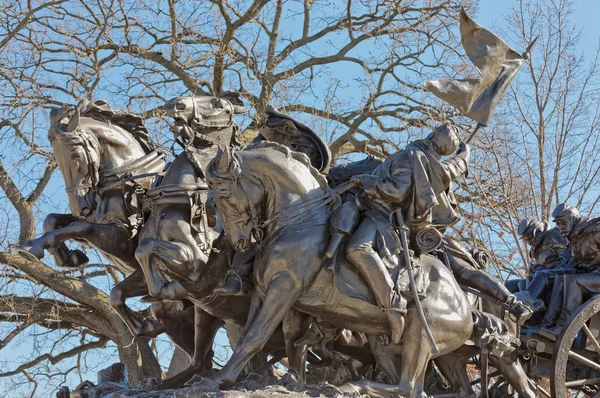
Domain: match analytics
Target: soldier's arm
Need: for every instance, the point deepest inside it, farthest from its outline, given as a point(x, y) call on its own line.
point(457, 165)
point(548, 257)
point(394, 189)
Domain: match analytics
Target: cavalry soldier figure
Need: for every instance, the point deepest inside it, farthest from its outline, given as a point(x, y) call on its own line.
point(414, 180)
point(418, 182)
point(583, 234)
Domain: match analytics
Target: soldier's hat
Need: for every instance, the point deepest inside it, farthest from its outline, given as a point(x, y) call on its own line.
point(303, 139)
point(564, 210)
point(530, 227)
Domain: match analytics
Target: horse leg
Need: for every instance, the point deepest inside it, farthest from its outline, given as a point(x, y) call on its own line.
point(384, 358)
point(178, 318)
point(282, 293)
point(206, 327)
point(152, 251)
point(295, 325)
point(454, 368)
point(111, 239)
point(235, 333)
point(416, 354)
point(63, 257)
point(134, 286)
point(514, 374)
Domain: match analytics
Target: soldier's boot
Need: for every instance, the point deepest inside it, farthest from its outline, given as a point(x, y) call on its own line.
point(395, 316)
point(234, 285)
point(550, 316)
point(370, 265)
point(519, 310)
point(552, 332)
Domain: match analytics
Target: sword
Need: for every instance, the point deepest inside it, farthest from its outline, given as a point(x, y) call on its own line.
point(401, 229)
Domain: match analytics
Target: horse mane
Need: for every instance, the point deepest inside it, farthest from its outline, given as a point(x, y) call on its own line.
point(287, 152)
point(101, 111)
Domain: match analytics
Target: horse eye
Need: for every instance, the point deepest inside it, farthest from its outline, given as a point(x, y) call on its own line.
point(180, 106)
point(76, 156)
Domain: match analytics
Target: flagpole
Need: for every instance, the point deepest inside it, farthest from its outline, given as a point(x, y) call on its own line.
point(477, 128)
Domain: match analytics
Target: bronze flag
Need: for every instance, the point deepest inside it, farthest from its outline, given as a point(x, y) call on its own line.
point(497, 63)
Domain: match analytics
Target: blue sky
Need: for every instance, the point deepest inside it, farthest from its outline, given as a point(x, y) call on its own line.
point(492, 14)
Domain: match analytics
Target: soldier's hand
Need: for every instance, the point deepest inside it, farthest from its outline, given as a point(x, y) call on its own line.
point(357, 180)
point(464, 150)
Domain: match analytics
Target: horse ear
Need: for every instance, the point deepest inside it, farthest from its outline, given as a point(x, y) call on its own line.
point(74, 122)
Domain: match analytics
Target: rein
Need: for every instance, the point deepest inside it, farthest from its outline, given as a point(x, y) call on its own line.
point(86, 143)
point(149, 165)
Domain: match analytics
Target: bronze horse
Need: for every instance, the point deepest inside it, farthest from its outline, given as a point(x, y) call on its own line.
point(270, 192)
point(96, 148)
point(182, 250)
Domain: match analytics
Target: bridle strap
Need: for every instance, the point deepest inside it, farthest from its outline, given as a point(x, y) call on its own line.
point(93, 177)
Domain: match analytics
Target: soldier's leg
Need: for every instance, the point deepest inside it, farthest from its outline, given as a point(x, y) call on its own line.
point(361, 253)
point(555, 304)
point(343, 222)
point(577, 287)
point(538, 285)
point(487, 284)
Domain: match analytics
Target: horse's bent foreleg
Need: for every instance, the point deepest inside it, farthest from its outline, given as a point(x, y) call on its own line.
point(63, 257)
point(151, 252)
point(281, 294)
point(295, 325)
point(111, 239)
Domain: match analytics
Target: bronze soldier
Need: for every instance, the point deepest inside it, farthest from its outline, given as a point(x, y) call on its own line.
point(548, 249)
point(414, 180)
point(432, 203)
point(583, 234)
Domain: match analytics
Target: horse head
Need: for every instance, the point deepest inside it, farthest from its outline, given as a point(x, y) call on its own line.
point(77, 154)
point(239, 199)
point(204, 117)
point(88, 142)
point(258, 188)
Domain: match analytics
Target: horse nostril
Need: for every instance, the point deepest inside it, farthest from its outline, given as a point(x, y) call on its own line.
point(85, 212)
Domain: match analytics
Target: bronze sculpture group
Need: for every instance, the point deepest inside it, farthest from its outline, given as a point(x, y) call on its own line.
point(273, 244)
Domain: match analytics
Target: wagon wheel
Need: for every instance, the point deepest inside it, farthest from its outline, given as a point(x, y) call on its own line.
point(579, 365)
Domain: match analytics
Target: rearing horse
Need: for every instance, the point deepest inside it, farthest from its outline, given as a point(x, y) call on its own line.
point(270, 192)
point(94, 153)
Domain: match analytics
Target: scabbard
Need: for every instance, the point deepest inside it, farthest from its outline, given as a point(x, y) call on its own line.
point(401, 229)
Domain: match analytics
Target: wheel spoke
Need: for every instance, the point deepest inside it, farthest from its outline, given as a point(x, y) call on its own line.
point(582, 382)
point(591, 337)
point(583, 360)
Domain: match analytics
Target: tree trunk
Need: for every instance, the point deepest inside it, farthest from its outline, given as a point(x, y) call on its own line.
point(137, 356)
point(179, 362)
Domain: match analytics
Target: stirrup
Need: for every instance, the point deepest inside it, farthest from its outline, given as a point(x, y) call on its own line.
point(244, 283)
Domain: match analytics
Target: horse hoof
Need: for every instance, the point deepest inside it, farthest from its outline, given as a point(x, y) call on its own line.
point(78, 258)
point(30, 251)
point(203, 383)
